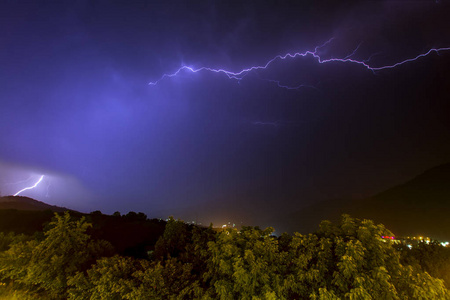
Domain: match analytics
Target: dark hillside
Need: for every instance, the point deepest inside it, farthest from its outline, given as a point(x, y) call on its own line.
point(131, 234)
point(26, 203)
point(24, 221)
point(418, 207)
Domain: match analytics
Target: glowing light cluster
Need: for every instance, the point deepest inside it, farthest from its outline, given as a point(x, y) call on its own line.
point(30, 187)
point(239, 75)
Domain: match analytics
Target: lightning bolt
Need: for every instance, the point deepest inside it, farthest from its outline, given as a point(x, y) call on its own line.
point(239, 75)
point(30, 187)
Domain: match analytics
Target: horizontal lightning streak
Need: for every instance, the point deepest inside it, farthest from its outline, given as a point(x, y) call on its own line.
point(240, 74)
point(30, 187)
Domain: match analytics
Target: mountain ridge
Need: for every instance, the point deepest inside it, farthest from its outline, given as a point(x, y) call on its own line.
point(27, 203)
point(419, 206)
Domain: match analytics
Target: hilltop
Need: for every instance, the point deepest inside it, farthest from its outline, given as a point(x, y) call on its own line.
point(26, 203)
point(419, 206)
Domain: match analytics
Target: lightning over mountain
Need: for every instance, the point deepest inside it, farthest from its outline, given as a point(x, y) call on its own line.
point(30, 187)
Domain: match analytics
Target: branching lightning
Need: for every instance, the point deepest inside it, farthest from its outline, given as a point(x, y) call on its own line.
point(239, 75)
point(30, 187)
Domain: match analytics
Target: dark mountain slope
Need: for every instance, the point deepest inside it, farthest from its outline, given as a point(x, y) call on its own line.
point(25, 203)
point(132, 234)
point(420, 206)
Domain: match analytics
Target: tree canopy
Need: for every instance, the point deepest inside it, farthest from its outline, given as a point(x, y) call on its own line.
point(348, 260)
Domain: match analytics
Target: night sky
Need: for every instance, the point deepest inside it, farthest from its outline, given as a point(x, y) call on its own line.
point(77, 104)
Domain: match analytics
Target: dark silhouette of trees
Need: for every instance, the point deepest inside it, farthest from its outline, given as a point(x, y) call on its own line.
point(174, 240)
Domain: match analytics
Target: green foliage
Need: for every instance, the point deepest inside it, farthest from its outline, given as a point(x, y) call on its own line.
point(9, 238)
point(131, 234)
point(15, 261)
point(127, 278)
point(344, 261)
point(432, 258)
point(196, 251)
point(8, 293)
point(170, 279)
point(174, 240)
point(245, 264)
point(47, 264)
point(65, 250)
point(109, 278)
point(350, 261)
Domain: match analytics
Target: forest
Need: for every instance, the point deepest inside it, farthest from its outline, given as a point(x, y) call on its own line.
point(131, 257)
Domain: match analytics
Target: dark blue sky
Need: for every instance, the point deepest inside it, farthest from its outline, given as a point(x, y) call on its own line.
point(76, 105)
